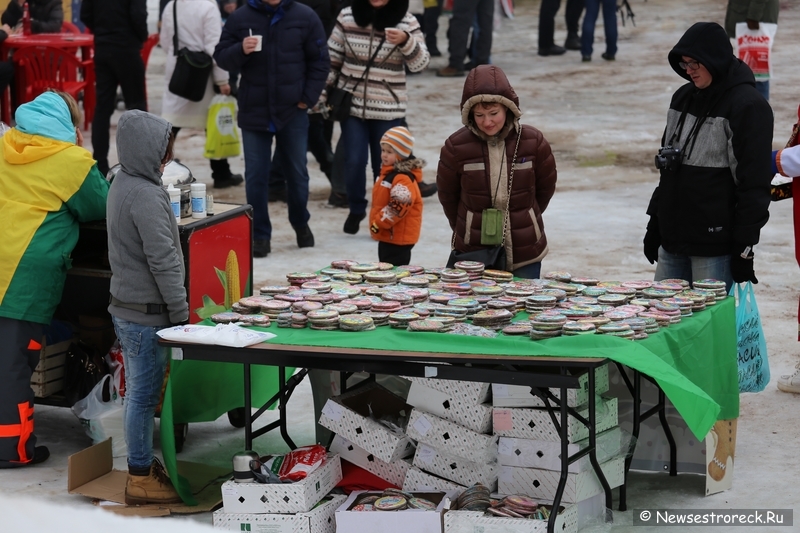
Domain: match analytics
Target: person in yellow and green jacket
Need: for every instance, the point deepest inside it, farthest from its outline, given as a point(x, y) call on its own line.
point(48, 184)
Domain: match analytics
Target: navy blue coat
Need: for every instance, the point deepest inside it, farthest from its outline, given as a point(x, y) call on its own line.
point(291, 67)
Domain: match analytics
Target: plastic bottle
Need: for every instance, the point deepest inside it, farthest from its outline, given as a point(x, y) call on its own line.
point(175, 201)
point(26, 19)
point(209, 204)
point(198, 200)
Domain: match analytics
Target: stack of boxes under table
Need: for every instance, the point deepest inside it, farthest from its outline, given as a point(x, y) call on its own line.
point(304, 506)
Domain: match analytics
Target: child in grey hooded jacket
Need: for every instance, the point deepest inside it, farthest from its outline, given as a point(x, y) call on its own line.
point(147, 289)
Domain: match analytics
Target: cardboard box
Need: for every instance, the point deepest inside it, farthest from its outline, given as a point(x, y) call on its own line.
point(526, 453)
point(406, 521)
point(457, 440)
point(475, 417)
point(298, 497)
point(455, 468)
point(521, 396)
point(320, 519)
point(90, 473)
point(536, 424)
point(48, 377)
point(469, 392)
point(542, 484)
point(354, 416)
point(417, 480)
point(394, 472)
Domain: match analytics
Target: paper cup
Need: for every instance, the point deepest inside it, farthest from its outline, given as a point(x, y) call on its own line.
point(258, 44)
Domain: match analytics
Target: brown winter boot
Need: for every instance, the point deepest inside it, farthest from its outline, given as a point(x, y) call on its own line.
point(153, 488)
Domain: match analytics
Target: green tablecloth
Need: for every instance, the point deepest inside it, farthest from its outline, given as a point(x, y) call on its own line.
point(694, 362)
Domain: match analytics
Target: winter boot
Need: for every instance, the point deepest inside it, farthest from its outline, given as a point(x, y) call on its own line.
point(155, 487)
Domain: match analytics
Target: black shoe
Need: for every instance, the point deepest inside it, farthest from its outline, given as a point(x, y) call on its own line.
point(305, 239)
point(427, 189)
point(450, 72)
point(277, 195)
point(40, 455)
point(352, 222)
point(586, 58)
point(338, 199)
point(260, 248)
point(434, 52)
point(573, 42)
point(553, 50)
point(231, 181)
point(608, 57)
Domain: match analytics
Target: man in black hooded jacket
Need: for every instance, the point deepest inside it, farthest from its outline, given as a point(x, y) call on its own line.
point(714, 192)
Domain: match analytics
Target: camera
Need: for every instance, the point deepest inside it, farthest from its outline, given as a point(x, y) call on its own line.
point(668, 158)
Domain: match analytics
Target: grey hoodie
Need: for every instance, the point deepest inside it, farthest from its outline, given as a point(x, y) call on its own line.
point(143, 242)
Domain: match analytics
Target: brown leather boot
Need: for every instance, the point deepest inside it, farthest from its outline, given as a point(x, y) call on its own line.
point(153, 488)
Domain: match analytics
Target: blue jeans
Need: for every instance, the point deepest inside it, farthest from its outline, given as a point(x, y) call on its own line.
point(763, 88)
point(362, 138)
point(693, 268)
point(145, 366)
point(530, 271)
point(291, 143)
point(609, 25)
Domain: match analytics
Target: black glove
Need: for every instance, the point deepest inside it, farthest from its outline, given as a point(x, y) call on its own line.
point(742, 269)
point(652, 240)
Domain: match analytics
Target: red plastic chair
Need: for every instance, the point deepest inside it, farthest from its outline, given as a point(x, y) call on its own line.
point(69, 27)
point(45, 67)
point(147, 47)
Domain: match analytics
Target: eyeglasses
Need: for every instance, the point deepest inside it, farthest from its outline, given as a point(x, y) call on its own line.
point(689, 65)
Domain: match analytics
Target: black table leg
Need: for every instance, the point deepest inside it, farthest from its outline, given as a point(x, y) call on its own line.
point(248, 405)
point(563, 427)
point(593, 444)
point(284, 398)
point(673, 449)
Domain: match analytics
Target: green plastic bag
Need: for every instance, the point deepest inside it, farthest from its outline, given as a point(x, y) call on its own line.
point(222, 135)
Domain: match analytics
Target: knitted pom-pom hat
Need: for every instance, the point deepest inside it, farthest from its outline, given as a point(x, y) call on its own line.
point(400, 139)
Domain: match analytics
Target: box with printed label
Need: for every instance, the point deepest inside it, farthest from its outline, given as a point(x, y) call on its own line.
point(526, 453)
point(542, 484)
point(455, 468)
point(417, 480)
point(478, 522)
point(470, 392)
point(521, 396)
point(320, 519)
point(458, 440)
point(298, 497)
point(405, 521)
point(475, 417)
point(394, 472)
point(536, 424)
point(371, 417)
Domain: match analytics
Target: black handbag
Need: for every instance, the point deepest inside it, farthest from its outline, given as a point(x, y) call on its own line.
point(339, 99)
point(493, 257)
point(192, 69)
point(83, 369)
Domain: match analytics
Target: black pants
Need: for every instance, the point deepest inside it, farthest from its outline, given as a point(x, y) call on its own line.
point(17, 363)
point(430, 24)
point(6, 74)
point(547, 23)
point(320, 132)
point(573, 15)
point(114, 67)
point(396, 254)
point(220, 169)
point(464, 13)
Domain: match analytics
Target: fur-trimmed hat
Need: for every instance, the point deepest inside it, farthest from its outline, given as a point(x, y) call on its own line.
point(400, 139)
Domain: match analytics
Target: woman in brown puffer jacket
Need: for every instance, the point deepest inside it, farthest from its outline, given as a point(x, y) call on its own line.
point(477, 163)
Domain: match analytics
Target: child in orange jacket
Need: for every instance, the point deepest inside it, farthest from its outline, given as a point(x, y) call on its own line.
point(396, 213)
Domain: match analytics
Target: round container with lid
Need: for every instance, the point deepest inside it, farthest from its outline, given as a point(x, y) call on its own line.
point(198, 200)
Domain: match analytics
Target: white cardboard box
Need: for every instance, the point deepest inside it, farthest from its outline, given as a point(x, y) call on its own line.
point(417, 480)
point(526, 453)
point(406, 521)
point(455, 468)
point(542, 484)
point(298, 497)
point(348, 415)
point(394, 472)
point(521, 396)
point(536, 424)
point(457, 440)
point(470, 392)
point(320, 519)
point(475, 417)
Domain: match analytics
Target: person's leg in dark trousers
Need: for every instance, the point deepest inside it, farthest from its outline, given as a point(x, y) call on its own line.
point(277, 179)
point(395, 254)
point(318, 144)
point(572, 17)
point(589, 22)
point(547, 25)
point(114, 66)
point(6, 74)
point(430, 18)
point(484, 15)
point(338, 196)
point(610, 28)
point(291, 142)
point(257, 162)
point(458, 33)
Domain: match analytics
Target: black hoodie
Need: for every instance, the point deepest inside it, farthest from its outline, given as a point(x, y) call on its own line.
point(717, 201)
